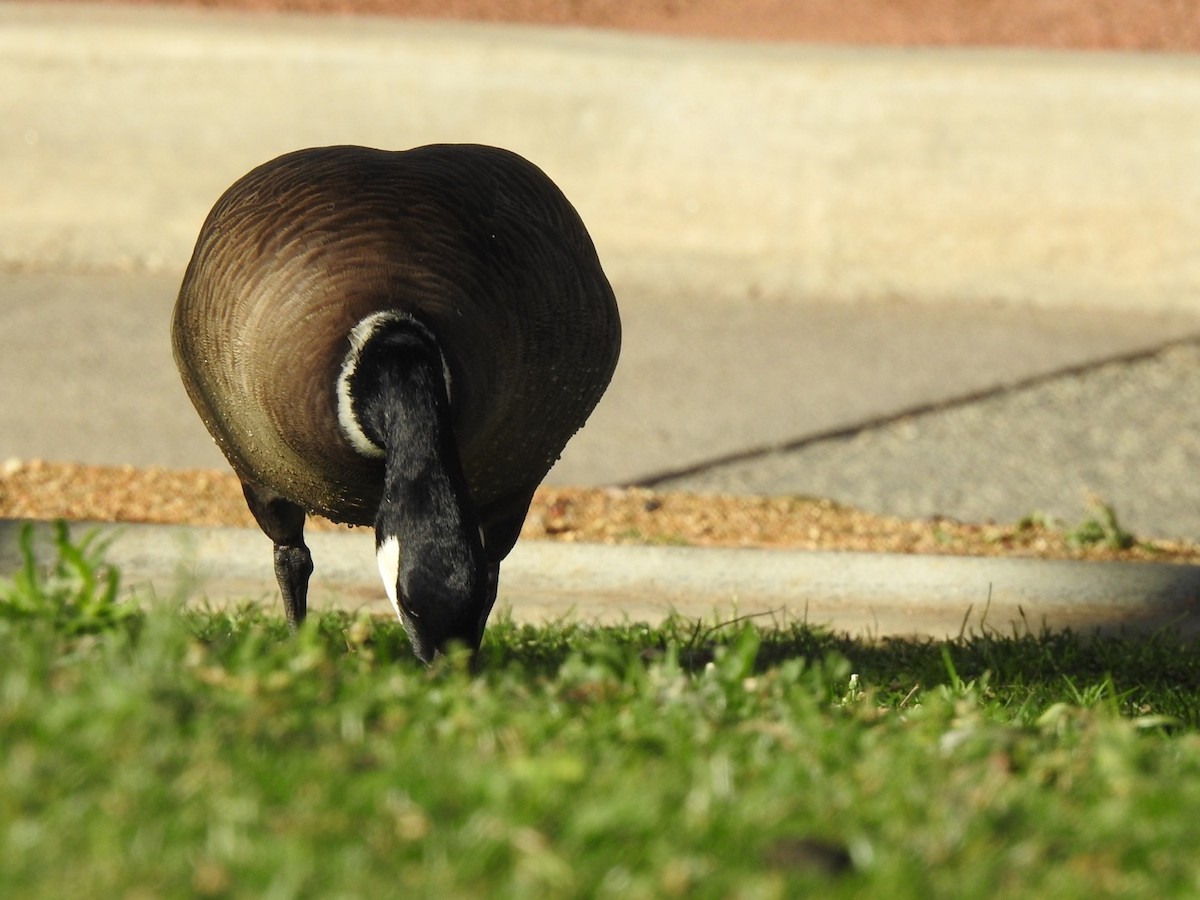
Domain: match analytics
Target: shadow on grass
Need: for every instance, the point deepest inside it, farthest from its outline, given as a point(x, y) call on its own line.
point(1161, 662)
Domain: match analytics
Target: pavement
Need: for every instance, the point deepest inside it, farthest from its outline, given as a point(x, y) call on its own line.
point(960, 283)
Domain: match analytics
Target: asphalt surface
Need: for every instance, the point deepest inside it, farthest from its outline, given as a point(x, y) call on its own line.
point(950, 283)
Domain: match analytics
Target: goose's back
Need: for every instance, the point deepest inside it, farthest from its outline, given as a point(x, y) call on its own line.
point(475, 241)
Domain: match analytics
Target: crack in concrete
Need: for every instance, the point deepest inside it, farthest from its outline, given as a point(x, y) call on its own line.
point(656, 479)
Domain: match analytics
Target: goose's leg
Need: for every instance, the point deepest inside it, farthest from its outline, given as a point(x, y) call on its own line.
point(283, 522)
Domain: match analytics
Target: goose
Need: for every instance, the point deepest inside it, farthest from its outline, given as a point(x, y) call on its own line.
point(403, 339)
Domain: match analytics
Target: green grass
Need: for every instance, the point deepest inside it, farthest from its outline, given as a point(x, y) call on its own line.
point(180, 754)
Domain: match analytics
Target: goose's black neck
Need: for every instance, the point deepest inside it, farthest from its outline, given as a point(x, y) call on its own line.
point(400, 403)
point(426, 515)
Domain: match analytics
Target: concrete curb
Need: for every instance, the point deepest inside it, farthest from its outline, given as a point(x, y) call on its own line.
point(864, 595)
point(731, 169)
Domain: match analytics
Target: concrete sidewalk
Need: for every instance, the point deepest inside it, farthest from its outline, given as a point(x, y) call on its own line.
point(868, 596)
point(963, 283)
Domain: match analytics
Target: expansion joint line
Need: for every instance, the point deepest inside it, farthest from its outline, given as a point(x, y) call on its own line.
point(656, 479)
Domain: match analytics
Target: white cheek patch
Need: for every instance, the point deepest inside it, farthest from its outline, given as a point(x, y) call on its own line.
point(345, 403)
point(388, 557)
point(359, 335)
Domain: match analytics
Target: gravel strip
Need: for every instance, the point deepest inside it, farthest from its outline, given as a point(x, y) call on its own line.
point(43, 490)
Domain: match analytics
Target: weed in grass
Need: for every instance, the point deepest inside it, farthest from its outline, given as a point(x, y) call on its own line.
point(76, 591)
point(941, 535)
point(1101, 527)
point(637, 536)
point(1037, 521)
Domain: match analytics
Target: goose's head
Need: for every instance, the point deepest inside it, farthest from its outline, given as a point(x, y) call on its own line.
point(438, 586)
